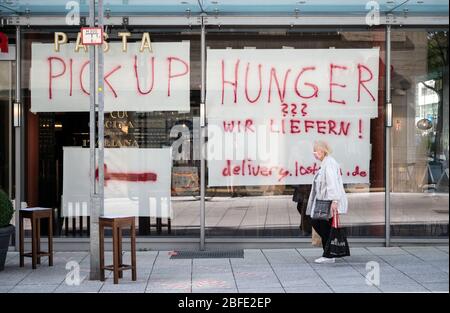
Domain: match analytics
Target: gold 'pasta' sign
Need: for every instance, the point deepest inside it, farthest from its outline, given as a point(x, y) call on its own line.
point(60, 38)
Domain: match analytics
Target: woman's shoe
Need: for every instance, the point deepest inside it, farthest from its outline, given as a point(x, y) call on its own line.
point(322, 260)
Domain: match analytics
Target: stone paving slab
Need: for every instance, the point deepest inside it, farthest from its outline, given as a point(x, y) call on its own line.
point(283, 256)
point(402, 269)
point(387, 251)
point(85, 287)
point(437, 287)
point(268, 289)
point(6, 288)
point(443, 248)
point(187, 290)
point(396, 288)
point(316, 288)
point(34, 288)
point(356, 289)
point(212, 290)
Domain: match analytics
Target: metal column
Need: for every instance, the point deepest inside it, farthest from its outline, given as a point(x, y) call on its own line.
point(18, 122)
point(202, 135)
point(101, 115)
point(96, 194)
point(387, 166)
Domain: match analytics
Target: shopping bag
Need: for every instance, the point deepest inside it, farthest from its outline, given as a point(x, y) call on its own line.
point(316, 239)
point(337, 245)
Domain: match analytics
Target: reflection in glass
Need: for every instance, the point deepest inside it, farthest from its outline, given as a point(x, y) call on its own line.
point(420, 134)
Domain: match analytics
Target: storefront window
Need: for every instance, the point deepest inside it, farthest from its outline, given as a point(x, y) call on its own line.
point(419, 169)
point(152, 95)
point(277, 82)
point(269, 91)
point(7, 89)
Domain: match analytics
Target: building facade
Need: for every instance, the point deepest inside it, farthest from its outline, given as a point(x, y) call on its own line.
point(261, 83)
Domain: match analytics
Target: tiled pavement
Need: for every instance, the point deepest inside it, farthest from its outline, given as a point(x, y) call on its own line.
point(402, 269)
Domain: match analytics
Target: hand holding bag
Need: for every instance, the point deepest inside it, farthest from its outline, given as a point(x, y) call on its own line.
point(337, 245)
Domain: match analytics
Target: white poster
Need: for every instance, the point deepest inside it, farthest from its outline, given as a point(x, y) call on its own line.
point(133, 80)
point(137, 182)
point(10, 55)
point(265, 109)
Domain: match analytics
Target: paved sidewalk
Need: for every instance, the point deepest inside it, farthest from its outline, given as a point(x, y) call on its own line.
point(405, 269)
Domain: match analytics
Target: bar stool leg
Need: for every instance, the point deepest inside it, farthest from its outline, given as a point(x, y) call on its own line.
point(74, 226)
point(81, 226)
point(33, 242)
point(50, 240)
point(119, 249)
point(158, 225)
point(21, 239)
point(102, 252)
point(38, 240)
point(133, 251)
point(115, 255)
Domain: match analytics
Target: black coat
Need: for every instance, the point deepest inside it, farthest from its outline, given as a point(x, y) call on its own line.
point(301, 193)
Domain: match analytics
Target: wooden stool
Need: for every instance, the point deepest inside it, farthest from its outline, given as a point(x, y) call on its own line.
point(117, 223)
point(159, 225)
point(35, 215)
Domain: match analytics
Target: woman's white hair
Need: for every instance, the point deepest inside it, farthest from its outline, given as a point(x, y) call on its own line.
point(323, 146)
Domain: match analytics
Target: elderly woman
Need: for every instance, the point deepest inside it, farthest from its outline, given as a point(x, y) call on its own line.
point(327, 185)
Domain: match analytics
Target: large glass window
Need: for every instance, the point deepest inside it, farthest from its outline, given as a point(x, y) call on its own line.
point(419, 169)
point(242, 203)
point(259, 67)
point(151, 119)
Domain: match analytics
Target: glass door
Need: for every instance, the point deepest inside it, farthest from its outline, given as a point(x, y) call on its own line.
point(420, 136)
point(268, 99)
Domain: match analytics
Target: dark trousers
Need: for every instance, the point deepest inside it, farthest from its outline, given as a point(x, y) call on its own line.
point(323, 228)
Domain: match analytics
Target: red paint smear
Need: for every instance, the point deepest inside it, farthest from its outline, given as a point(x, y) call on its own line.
point(360, 128)
point(281, 92)
point(137, 77)
point(71, 74)
point(361, 81)
point(81, 78)
point(50, 73)
point(234, 84)
point(313, 86)
point(171, 76)
point(131, 177)
point(105, 79)
point(246, 84)
point(332, 67)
